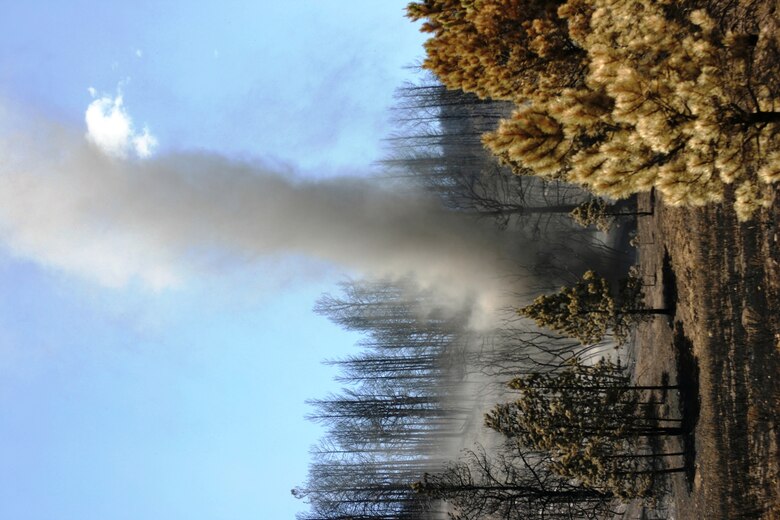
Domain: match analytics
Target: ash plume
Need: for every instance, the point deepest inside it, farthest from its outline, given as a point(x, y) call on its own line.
point(65, 204)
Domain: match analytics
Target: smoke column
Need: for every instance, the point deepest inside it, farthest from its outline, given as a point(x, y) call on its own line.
point(65, 204)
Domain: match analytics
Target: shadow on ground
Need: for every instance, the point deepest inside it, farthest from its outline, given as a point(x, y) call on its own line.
point(690, 402)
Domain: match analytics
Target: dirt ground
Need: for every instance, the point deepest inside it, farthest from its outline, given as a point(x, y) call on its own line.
point(719, 352)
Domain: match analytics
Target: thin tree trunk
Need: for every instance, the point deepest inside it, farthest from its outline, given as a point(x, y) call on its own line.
point(531, 210)
point(646, 311)
point(762, 117)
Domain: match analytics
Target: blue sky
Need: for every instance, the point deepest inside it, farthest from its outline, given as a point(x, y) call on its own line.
point(125, 401)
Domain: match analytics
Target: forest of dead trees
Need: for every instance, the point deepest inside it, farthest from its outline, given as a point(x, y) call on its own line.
point(402, 406)
point(544, 118)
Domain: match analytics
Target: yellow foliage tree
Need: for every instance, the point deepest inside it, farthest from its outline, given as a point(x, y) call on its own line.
point(667, 103)
point(671, 99)
point(501, 49)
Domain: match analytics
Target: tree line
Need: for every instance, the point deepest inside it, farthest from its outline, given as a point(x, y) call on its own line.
point(388, 429)
point(576, 432)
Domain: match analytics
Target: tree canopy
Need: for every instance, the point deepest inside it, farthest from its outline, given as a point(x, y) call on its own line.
point(587, 419)
point(619, 96)
point(499, 49)
point(587, 310)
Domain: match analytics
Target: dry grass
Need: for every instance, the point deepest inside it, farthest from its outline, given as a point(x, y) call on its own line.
point(725, 280)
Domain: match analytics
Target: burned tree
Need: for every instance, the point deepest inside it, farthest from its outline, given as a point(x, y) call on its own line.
point(510, 486)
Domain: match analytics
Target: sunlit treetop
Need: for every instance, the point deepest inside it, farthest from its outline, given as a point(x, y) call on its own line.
point(668, 103)
point(589, 309)
point(620, 96)
point(585, 417)
point(499, 49)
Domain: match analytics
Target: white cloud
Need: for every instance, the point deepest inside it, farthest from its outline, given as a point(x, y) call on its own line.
point(139, 53)
point(110, 128)
point(144, 143)
point(92, 91)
